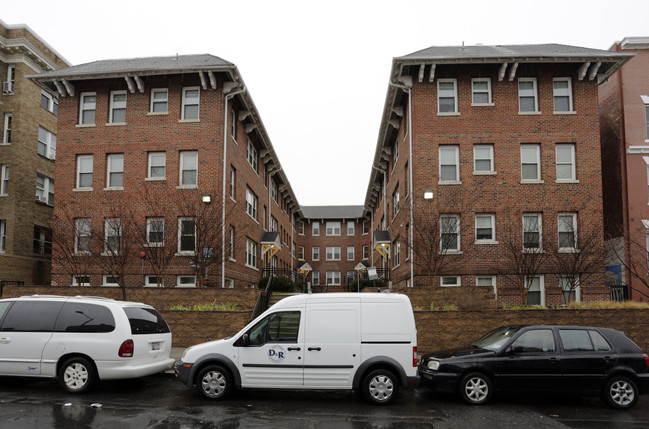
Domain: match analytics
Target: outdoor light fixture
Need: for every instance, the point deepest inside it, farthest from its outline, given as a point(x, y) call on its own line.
point(206, 198)
point(428, 195)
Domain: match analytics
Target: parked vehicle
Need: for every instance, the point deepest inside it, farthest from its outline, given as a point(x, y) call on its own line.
point(350, 341)
point(576, 359)
point(80, 340)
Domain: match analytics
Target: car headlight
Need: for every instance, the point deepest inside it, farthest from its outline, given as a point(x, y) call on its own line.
point(433, 364)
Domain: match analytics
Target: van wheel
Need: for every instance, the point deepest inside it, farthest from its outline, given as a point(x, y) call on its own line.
point(76, 375)
point(620, 392)
point(476, 388)
point(214, 382)
point(380, 386)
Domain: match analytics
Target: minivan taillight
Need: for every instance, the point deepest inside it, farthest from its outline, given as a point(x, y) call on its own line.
point(414, 357)
point(646, 359)
point(126, 349)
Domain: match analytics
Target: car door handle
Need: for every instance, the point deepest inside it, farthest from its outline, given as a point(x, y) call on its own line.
point(554, 361)
point(294, 349)
point(5, 340)
point(317, 349)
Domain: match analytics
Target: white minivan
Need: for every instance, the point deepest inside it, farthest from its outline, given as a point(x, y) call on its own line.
point(351, 341)
point(80, 340)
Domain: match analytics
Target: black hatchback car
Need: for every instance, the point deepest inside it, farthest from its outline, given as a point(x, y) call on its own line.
point(571, 359)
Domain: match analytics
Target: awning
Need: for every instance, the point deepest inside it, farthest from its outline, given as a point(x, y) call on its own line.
point(270, 243)
point(382, 243)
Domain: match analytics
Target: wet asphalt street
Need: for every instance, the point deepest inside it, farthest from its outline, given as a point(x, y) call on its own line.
point(162, 402)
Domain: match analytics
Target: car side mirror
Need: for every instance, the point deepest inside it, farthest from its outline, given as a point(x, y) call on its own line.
point(513, 350)
point(245, 340)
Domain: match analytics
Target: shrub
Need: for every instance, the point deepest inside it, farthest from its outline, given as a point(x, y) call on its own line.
point(280, 284)
point(207, 307)
point(366, 283)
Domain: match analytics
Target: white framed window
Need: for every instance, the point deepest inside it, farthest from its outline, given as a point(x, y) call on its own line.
point(115, 171)
point(155, 231)
point(84, 171)
point(49, 103)
point(299, 227)
point(152, 281)
point(3, 235)
point(449, 163)
point(485, 228)
point(565, 161)
point(185, 281)
point(315, 253)
point(366, 227)
point(449, 233)
point(315, 228)
point(6, 130)
point(82, 280)
point(300, 253)
point(251, 155)
point(112, 236)
point(159, 100)
point(646, 119)
point(532, 231)
point(233, 235)
point(527, 95)
point(110, 281)
point(567, 225)
point(233, 182)
point(535, 290)
point(396, 246)
point(157, 165)
point(251, 253)
point(117, 113)
point(350, 253)
point(530, 162)
point(395, 200)
point(186, 235)
point(188, 168)
point(233, 125)
point(570, 290)
point(273, 223)
point(333, 253)
point(450, 281)
point(315, 278)
point(487, 281)
point(351, 228)
point(273, 190)
point(333, 278)
point(447, 96)
point(190, 103)
point(366, 252)
point(82, 235)
point(251, 204)
point(483, 158)
point(46, 143)
point(333, 228)
point(45, 189)
point(4, 179)
point(8, 87)
point(481, 91)
point(562, 93)
point(87, 108)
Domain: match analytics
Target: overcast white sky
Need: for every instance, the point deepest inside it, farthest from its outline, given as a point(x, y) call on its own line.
point(318, 71)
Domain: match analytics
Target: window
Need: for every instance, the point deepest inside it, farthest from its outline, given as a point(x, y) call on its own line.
point(333, 253)
point(82, 280)
point(562, 92)
point(578, 340)
point(350, 253)
point(84, 171)
point(3, 235)
point(45, 189)
point(87, 107)
point(447, 96)
point(300, 253)
point(487, 281)
point(333, 278)
point(396, 245)
point(251, 253)
point(366, 252)
point(565, 153)
point(315, 229)
point(567, 223)
point(46, 143)
point(82, 235)
point(251, 204)
point(42, 240)
point(49, 103)
point(20, 318)
point(233, 181)
point(530, 162)
point(449, 163)
point(188, 168)
point(6, 134)
point(185, 281)
point(570, 291)
point(186, 235)
point(483, 158)
point(4, 179)
point(153, 281)
point(190, 103)
point(159, 100)
point(395, 201)
point(350, 228)
point(527, 96)
point(481, 91)
point(280, 327)
point(273, 190)
point(535, 341)
point(646, 116)
point(233, 124)
point(273, 224)
point(406, 183)
point(85, 318)
point(450, 233)
point(11, 77)
point(535, 290)
point(532, 231)
point(366, 227)
point(115, 171)
point(485, 227)
point(112, 236)
point(315, 253)
point(315, 276)
point(155, 231)
point(448, 281)
point(157, 165)
point(300, 227)
point(233, 236)
point(333, 228)
point(117, 107)
point(251, 154)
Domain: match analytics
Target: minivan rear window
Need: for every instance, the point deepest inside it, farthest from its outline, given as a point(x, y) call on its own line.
point(31, 316)
point(77, 317)
point(146, 321)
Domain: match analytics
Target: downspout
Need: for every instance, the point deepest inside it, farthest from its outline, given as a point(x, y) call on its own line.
point(225, 169)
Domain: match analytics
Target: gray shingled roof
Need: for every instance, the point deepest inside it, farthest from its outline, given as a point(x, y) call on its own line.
point(332, 212)
point(141, 66)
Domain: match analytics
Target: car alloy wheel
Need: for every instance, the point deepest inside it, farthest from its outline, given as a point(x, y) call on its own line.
point(476, 388)
point(621, 392)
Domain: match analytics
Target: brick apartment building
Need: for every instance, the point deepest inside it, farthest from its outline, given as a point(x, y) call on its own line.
point(147, 192)
point(487, 171)
point(624, 114)
point(27, 154)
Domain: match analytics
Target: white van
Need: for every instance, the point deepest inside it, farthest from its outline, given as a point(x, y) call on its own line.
point(80, 340)
point(351, 341)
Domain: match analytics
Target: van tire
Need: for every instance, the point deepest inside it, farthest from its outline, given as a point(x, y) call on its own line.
point(214, 382)
point(380, 386)
point(77, 375)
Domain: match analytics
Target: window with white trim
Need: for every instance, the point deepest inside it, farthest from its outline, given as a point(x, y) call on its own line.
point(273, 190)
point(315, 253)
point(333, 228)
point(159, 100)
point(396, 246)
point(532, 238)
point(112, 236)
point(115, 171)
point(447, 96)
point(351, 227)
point(46, 143)
point(366, 252)
point(186, 235)
point(535, 290)
point(487, 281)
point(483, 158)
point(84, 171)
point(315, 278)
point(188, 168)
point(251, 253)
point(530, 162)
point(485, 227)
point(49, 103)
point(233, 182)
point(185, 281)
point(395, 200)
point(82, 280)
point(87, 108)
point(11, 79)
point(315, 228)
point(157, 165)
point(450, 281)
point(333, 278)
point(481, 91)
point(251, 155)
point(233, 124)
point(449, 233)
point(449, 163)
point(155, 231)
point(570, 290)
point(646, 119)
point(527, 95)
point(565, 161)
point(300, 253)
point(562, 93)
point(6, 130)
point(567, 225)
point(350, 253)
point(117, 110)
point(251, 204)
point(44, 189)
point(273, 223)
point(190, 103)
point(153, 281)
point(366, 227)
point(3, 235)
point(333, 253)
point(4, 179)
point(82, 235)
point(109, 280)
point(233, 235)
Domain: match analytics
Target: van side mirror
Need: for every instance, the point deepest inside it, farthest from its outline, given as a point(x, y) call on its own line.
point(245, 340)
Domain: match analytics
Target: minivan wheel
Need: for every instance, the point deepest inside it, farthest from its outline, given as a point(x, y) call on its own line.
point(76, 375)
point(476, 388)
point(620, 392)
point(380, 386)
point(214, 382)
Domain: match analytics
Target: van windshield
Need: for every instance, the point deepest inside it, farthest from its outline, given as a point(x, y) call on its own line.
point(146, 321)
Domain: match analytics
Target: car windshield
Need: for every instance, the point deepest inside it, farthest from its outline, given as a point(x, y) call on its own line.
point(496, 338)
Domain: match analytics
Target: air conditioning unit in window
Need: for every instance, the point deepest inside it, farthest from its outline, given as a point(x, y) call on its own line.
point(41, 198)
point(8, 87)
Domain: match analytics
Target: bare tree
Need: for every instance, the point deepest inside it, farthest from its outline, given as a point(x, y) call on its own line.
point(632, 254)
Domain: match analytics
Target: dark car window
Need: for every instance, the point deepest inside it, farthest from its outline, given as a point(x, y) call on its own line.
point(575, 340)
point(277, 327)
point(146, 321)
point(3, 308)
point(599, 342)
point(31, 316)
point(77, 317)
point(535, 341)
